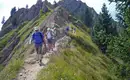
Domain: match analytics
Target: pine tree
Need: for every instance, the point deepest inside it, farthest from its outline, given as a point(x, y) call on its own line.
point(13, 10)
point(46, 2)
point(103, 30)
point(106, 20)
point(45, 8)
point(27, 6)
point(3, 20)
point(55, 4)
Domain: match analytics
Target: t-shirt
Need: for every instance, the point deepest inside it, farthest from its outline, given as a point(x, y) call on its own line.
point(49, 36)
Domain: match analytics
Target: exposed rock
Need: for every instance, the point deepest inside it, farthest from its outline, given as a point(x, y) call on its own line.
point(20, 74)
point(6, 30)
point(30, 61)
point(24, 15)
point(81, 10)
point(44, 7)
point(58, 18)
point(7, 51)
point(78, 8)
point(63, 42)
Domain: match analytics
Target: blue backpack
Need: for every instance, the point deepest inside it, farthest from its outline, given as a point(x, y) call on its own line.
point(38, 37)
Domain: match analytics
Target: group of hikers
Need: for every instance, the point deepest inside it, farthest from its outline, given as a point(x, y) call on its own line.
point(39, 39)
point(47, 39)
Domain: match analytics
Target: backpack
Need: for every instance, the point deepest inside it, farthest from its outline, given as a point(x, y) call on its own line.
point(39, 34)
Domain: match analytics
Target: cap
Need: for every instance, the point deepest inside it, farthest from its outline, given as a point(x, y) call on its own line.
point(48, 29)
point(35, 28)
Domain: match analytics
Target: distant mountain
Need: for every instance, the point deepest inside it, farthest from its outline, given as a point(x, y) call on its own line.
point(79, 9)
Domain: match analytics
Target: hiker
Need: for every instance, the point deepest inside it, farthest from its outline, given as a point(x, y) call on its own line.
point(49, 39)
point(74, 30)
point(67, 30)
point(38, 39)
point(53, 30)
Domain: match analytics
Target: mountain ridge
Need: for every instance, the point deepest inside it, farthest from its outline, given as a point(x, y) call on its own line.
point(77, 57)
point(28, 14)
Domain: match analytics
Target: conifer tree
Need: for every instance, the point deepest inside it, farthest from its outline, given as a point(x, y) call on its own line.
point(3, 20)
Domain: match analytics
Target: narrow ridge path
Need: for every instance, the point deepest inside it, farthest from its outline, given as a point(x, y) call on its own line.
point(31, 67)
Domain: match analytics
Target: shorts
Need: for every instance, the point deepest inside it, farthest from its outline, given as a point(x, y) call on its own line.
point(38, 45)
point(53, 41)
point(49, 41)
point(38, 48)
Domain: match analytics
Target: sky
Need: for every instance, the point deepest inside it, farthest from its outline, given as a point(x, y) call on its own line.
point(7, 5)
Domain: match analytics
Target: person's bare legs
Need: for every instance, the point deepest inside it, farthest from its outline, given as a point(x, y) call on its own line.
point(40, 56)
point(53, 43)
point(37, 56)
point(49, 46)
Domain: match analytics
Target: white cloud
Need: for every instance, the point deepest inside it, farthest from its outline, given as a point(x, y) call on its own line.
point(7, 5)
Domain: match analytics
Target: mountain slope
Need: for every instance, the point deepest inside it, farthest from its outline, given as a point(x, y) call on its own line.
point(77, 57)
point(23, 14)
point(79, 9)
point(15, 59)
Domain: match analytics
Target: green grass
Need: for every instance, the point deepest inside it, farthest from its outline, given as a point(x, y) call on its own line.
point(28, 29)
point(1, 67)
point(84, 62)
point(4, 40)
point(10, 71)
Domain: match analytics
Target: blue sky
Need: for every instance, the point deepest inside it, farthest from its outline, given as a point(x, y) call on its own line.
point(7, 5)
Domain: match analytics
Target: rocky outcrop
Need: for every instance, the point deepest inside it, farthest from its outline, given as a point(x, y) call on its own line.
point(23, 15)
point(77, 8)
point(81, 10)
point(59, 19)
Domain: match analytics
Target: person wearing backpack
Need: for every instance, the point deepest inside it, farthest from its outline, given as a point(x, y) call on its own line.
point(49, 39)
point(53, 30)
point(38, 39)
point(67, 30)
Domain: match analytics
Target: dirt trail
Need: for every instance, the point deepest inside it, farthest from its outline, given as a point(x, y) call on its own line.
point(31, 67)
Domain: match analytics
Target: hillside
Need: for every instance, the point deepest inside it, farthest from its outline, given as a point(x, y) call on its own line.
point(79, 9)
point(76, 57)
point(21, 15)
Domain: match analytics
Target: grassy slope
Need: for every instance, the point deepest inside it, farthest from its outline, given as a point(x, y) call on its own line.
point(84, 62)
point(17, 61)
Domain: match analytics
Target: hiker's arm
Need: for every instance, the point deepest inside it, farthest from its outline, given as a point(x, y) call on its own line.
point(32, 38)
